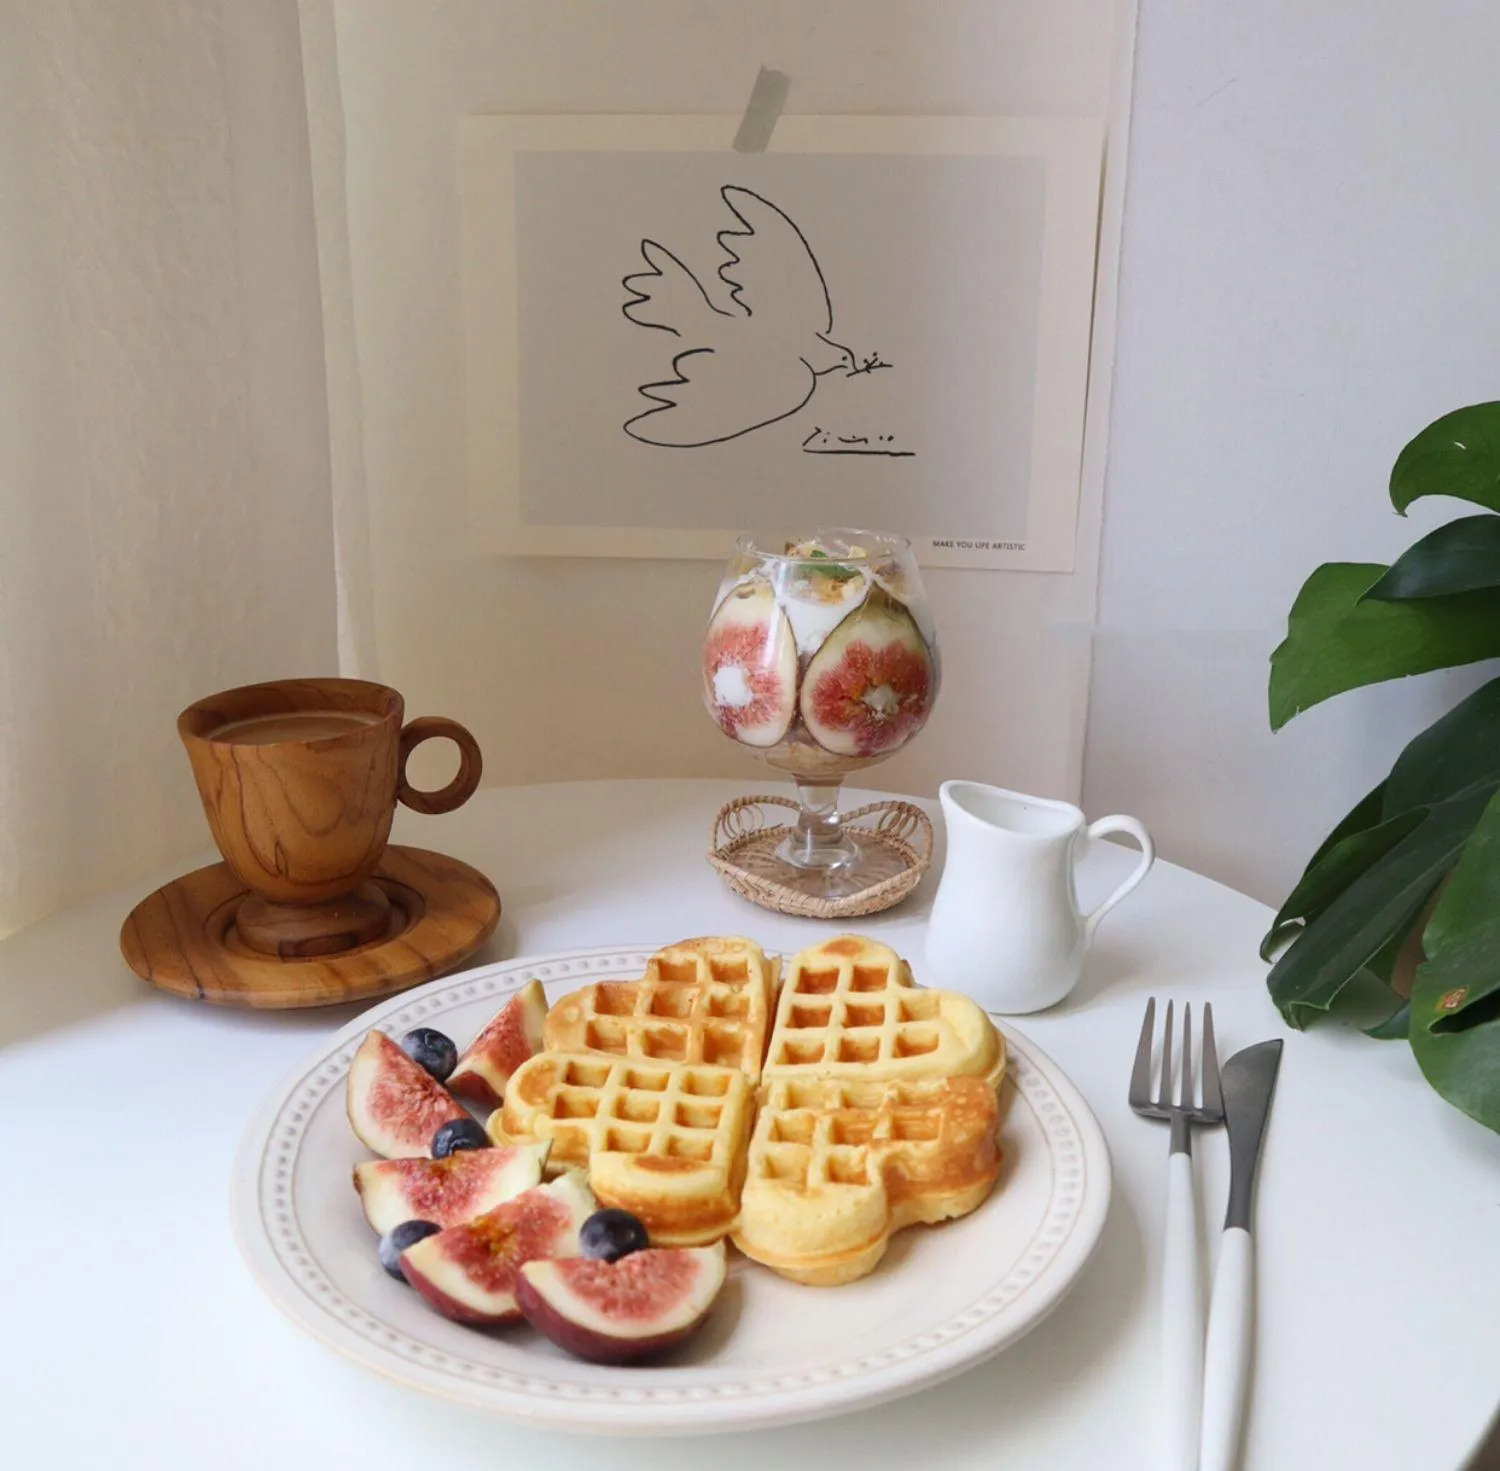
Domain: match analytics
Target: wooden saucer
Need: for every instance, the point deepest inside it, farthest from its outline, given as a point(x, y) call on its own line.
point(182, 937)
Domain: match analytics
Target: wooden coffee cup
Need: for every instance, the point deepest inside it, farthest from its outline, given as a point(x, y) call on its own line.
point(299, 780)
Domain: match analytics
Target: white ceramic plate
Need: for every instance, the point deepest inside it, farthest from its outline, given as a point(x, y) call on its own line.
point(942, 1299)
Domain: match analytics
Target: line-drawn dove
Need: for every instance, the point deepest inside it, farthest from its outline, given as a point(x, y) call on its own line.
point(751, 362)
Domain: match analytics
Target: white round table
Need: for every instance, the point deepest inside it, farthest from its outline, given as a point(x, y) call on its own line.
point(134, 1337)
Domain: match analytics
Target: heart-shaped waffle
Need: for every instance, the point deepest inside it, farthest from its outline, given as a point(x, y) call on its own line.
point(705, 1000)
point(838, 1165)
point(850, 1009)
point(665, 1141)
point(877, 1104)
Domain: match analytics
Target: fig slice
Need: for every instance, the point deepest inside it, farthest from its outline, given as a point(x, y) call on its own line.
point(870, 688)
point(449, 1191)
point(750, 666)
point(395, 1106)
point(512, 1035)
point(615, 1312)
point(468, 1272)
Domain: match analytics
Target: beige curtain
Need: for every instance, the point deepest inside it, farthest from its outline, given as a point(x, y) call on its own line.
point(166, 518)
point(232, 397)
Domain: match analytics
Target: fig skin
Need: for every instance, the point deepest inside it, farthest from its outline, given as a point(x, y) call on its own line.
point(469, 1272)
point(395, 1106)
point(542, 1297)
point(448, 1191)
point(872, 685)
point(511, 1036)
point(750, 633)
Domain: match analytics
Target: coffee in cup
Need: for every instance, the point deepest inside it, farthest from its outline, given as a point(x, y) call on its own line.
point(299, 780)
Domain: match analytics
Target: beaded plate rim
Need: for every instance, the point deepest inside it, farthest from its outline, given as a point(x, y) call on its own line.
point(270, 1236)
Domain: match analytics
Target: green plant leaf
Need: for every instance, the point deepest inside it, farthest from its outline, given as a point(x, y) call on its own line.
point(1395, 1028)
point(1462, 556)
point(1455, 1003)
point(1367, 1002)
point(1370, 1001)
point(1457, 752)
point(1329, 875)
point(1377, 907)
point(1368, 812)
point(1457, 455)
point(1337, 642)
point(1462, 939)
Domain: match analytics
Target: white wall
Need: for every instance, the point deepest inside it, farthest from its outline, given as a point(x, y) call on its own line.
point(1311, 239)
point(164, 518)
point(573, 668)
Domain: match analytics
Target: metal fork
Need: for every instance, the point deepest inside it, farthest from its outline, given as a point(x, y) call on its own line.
point(1182, 1298)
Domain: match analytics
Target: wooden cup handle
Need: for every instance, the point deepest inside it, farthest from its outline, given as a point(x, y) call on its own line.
point(470, 765)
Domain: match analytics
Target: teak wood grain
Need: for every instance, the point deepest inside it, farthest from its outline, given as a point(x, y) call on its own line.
point(182, 939)
point(303, 822)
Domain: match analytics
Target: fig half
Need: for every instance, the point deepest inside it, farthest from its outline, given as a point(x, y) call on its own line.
point(507, 1040)
point(449, 1191)
point(870, 688)
point(395, 1106)
point(750, 666)
point(615, 1312)
point(468, 1272)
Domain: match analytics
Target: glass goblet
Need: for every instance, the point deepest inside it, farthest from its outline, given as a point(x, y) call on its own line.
point(821, 659)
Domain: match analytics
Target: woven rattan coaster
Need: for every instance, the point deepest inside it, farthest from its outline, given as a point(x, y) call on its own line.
point(896, 837)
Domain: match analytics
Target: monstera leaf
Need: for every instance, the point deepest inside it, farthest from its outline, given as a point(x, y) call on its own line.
point(1331, 874)
point(1460, 752)
point(1457, 455)
point(1463, 556)
point(1339, 639)
point(1414, 868)
point(1455, 1003)
point(1377, 908)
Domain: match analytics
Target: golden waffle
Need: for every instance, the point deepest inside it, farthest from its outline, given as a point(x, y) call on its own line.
point(838, 1165)
point(706, 1000)
point(665, 1141)
point(849, 1009)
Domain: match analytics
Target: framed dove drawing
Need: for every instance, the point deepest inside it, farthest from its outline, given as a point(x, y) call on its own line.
point(876, 322)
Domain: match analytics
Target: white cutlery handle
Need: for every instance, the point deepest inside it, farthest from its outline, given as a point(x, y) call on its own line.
point(1231, 1332)
point(1181, 1319)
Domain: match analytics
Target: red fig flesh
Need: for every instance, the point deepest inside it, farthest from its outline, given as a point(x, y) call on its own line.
point(468, 1272)
point(449, 1191)
point(615, 1312)
point(750, 666)
point(394, 1106)
point(508, 1039)
point(870, 688)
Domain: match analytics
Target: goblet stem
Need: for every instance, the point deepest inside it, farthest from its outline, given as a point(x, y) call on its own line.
point(819, 841)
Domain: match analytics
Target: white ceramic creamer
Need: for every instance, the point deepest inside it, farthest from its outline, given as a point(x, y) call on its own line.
point(1005, 926)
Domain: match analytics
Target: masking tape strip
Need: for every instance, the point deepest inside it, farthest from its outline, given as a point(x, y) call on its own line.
point(762, 111)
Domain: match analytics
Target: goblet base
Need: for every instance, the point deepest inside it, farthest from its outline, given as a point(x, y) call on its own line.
point(892, 848)
point(849, 867)
point(820, 856)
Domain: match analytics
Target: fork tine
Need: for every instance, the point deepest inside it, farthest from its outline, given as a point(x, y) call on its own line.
point(1164, 1096)
point(1213, 1100)
point(1140, 1074)
point(1187, 1054)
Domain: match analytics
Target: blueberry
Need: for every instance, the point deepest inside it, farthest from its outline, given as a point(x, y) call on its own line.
point(398, 1238)
point(609, 1234)
point(430, 1049)
point(459, 1134)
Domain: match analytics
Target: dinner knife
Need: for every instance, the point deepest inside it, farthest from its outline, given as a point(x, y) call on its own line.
point(1248, 1079)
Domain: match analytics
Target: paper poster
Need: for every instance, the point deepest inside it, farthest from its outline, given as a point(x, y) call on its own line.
point(879, 323)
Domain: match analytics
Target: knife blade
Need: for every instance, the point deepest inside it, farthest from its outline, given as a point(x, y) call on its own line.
point(1248, 1080)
